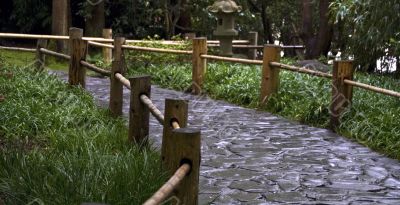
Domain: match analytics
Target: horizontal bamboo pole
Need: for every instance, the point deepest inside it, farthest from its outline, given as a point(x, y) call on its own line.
point(125, 82)
point(159, 50)
point(259, 46)
point(301, 70)
point(102, 45)
point(166, 190)
point(234, 42)
point(53, 53)
point(175, 125)
point(158, 41)
point(51, 37)
point(235, 60)
point(95, 68)
point(18, 49)
point(153, 109)
point(372, 88)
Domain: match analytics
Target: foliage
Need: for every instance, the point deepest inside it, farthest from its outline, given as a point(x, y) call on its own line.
point(31, 16)
point(371, 29)
point(57, 147)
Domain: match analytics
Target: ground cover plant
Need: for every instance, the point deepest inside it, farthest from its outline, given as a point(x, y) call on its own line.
point(58, 147)
point(372, 120)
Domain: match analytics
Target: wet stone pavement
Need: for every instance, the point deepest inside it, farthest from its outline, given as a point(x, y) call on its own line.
point(253, 157)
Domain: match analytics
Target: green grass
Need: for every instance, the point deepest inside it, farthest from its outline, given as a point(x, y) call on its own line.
point(58, 147)
point(373, 119)
point(22, 59)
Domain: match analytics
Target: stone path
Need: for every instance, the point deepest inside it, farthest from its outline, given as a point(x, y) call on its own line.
point(252, 157)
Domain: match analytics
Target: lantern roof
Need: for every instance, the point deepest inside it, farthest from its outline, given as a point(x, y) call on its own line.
point(224, 6)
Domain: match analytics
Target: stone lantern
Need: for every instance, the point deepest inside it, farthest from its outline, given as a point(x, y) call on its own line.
point(225, 11)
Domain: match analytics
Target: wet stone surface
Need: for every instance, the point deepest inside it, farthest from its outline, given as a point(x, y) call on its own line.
point(252, 157)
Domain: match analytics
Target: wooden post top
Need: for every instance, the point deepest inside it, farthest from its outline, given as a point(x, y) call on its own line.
point(200, 38)
point(343, 61)
point(120, 39)
point(140, 77)
point(75, 33)
point(188, 131)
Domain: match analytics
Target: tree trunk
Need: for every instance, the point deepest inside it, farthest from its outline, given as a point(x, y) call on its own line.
point(184, 23)
point(316, 44)
point(266, 24)
point(307, 33)
point(61, 16)
point(325, 30)
point(95, 23)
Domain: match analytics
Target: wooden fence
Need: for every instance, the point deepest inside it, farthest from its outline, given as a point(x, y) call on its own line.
point(181, 145)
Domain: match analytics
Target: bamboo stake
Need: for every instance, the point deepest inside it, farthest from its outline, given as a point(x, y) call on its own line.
point(199, 64)
point(78, 50)
point(117, 80)
point(107, 52)
point(139, 113)
point(342, 93)
point(269, 75)
point(40, 57)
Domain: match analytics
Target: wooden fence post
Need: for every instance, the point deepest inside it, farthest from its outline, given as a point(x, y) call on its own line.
point(40, 57)
point(107, 52)
point(199, 64)
point(186, 146)
point(78, 49)
point(139, 114)
point(174, 110)
point(270, 75)
point(253, 41)
point(116, 87)
point(342, 94)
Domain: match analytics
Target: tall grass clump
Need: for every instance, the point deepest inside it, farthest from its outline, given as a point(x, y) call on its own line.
point(58, 147)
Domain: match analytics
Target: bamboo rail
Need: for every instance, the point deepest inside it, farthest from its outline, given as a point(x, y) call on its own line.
point(52, 53)
point(18, 49)
point(234, 41)
point(158, 50)
point(175, 125)
point(152, 108)
point(102, 45)
point(235, 60)
point(372, 88)
point(52, 37)
point(166, 190)
point(95, 68)
point(259, 46)
point(157, 41)
point(125, 82)
point(301, 70)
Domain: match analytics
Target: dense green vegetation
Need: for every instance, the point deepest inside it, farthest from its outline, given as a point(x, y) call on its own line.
point(322, 26)
point(58, 147)
point(373, 119)
point(21, 59)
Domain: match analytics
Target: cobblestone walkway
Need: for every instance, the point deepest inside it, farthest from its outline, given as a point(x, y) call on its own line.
point(252, 157)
